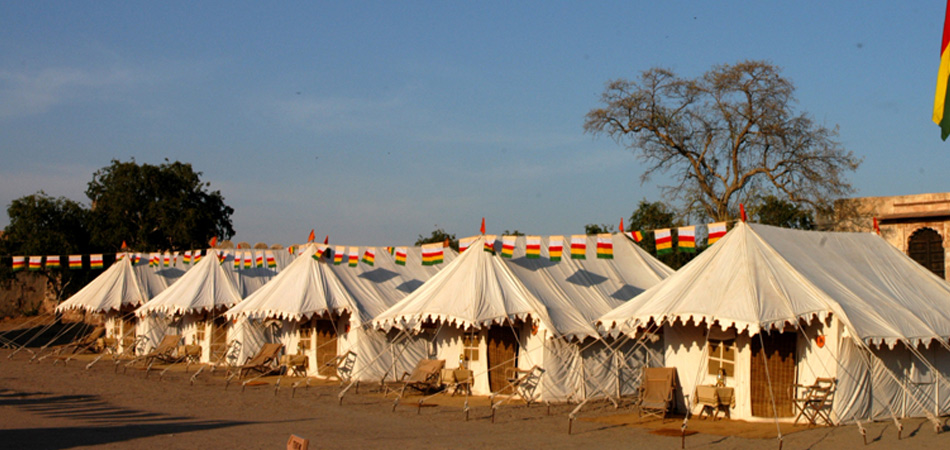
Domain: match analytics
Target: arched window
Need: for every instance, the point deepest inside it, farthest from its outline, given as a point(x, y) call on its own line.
point(926, 247)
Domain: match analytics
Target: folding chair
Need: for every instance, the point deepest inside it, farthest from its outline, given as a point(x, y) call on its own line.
point(344, 365)
point(163, 352)
point(262, 362)
point(815, 401)
point(525, 382)
point(425, 377)
point(656, 391)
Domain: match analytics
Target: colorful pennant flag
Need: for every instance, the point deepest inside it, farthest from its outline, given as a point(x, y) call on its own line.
point(186, 258)
point(555, 247)
point(259, 259)
point(152, 259)
point(508, 246)
point(75, 261)
point(36, 263)
point(716, 231)
point(401, 253)
point(432, 254)
point(664, 241)
point(464, 243)
point(248, 260)
point(369, 256)
point(271, 261)
point(166, 259)
point(532, 249)
point(579, 246)
point(605, 246)
point(338, 255)
point(19, 263)
point(391, 250)
point(174, 258)
point(354, 256)
point(136, 258)
point(237, 260)
point(941, 116)
point(686, 239)
point(95, 261)
point(321, 250)
point(222, 255)
point(196, 256)
point(52, 261)
point(637, 236)
point(490, 243)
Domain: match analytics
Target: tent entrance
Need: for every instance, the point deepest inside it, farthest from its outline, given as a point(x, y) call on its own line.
point(127, 331)
point(219, 338)
point(502, 354)
point(779, 355)
point(324, 331)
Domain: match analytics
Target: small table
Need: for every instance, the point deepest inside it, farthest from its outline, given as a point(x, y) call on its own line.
point(460, 379)
point(715, 399)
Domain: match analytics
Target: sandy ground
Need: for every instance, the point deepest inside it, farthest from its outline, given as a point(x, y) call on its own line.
point(54, 406)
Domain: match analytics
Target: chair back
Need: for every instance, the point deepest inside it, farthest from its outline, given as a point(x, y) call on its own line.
point(657, 385)
point(168, 343)
point(425, 369)
point(267, 353)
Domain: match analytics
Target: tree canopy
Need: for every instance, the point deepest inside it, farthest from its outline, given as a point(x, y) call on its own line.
point(655, 215)
point(164, 206)
point(771, 210)
point(439, 235)
point(729, 136)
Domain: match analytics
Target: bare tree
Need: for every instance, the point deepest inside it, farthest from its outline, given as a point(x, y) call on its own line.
point(728, 136)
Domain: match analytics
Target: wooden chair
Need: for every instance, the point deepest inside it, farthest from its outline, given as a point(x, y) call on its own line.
point(165, 351)
point(425, 377)
point(656, 391)
point(525, 382)
point(814, 402)
point(262, 362)
point(344, 365)
point(85, 344)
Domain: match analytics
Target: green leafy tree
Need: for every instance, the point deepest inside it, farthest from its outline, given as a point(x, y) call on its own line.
point(512, 233)
point(439, 235)
point(41, 225)
point(650, 216)
point(593, 228)
point(155, 207)
point(772, 210)
point(727, 137)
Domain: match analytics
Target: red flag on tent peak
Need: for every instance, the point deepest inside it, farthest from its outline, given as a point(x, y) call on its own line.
point(621, 225)
point(482, 229)
point(877, 229)
point(311, 237)
point(124, 245)
point(326, 240)
point(742, 212)
point(213, 242)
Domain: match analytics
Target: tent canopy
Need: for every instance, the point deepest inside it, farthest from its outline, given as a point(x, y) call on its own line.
point(204, 287)
point(759, 277)
point(114, 289)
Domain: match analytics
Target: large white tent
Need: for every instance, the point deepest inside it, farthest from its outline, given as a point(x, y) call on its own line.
point(498, 313)
point(321, 310)
point(192, 307)
point(777, 307)
point(114, 294)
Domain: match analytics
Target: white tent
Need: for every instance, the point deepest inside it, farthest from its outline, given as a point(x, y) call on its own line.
point(778, 306)
point(497, 313)
point(192, 307)
point(114, 294)
point(321, 310)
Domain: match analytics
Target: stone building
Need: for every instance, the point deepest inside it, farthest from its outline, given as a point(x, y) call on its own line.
point(918, 224)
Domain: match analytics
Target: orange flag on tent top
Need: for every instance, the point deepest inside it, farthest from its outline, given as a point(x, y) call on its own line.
point(877, 229)
point(742, 211)
point(326, 240)
point(482, 229)
point(311, 237)
point(213, 242)
point(621, 225)
point(124, 245)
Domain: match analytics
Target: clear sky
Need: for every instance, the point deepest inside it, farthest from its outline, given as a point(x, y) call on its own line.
point(375, 122)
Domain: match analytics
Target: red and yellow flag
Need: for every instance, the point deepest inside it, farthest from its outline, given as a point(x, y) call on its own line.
point(941, 115)
point(532, 249)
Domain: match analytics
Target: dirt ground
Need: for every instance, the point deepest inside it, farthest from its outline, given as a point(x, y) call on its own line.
point(47, 405)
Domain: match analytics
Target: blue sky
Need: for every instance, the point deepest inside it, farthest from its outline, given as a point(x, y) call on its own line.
point(375, 122)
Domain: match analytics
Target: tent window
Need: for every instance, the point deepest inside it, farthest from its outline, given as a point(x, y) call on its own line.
point(722, 355)
point(470, 342)
point(200, 328)
point(306, 337)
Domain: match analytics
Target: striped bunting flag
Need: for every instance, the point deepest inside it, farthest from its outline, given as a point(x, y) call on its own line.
point(686, 239)
point(248, 260)
point(605, 246)
point(464, 243)
point(166, 259)
point(136, 258)
point(432, 254)
point(186, 258)
point(52, 262)
point(338, 255)
point(236, 260)
point(508, 246)
point(579, 246)
point(369, 256)
point(532, 249)
point(490, 243)
point(36, 263)
point(401, 253)
point(555, 247)
point(95, 261)
point(716, 231)
point(19, 263)
point(664, 241)
point(354, 256)
point(222, 256)
point(271, 261)
point(174, 258)
point(259, 259)
point(75, 261)
point(637, 236)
